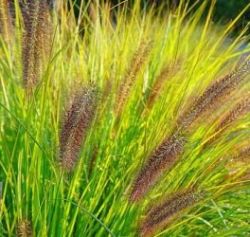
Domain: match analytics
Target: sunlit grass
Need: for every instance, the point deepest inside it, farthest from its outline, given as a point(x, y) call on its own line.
point(93, 200)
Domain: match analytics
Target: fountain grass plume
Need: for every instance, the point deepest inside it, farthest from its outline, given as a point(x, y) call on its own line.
point(214, 94)
point(244, 154)
point(77, 120)
point(166, 74)
point(237, 162)
point(36, 40)
point(163, 157)
point(239, 110)
point(161, 215)
point(6, 27)
point(167, 153)
point(241, 155)
point(133, 70)
point(24, 229)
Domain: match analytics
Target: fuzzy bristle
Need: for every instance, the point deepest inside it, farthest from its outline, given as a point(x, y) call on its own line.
point(214, 94)
point(6, 26)
point(162, 159)
point(167, 73)
point(36, 40)
point(166, 155)
point(242, 154)
point(239, 110)
point(240, 158)
point(24, 229)
point(133, 70)
point(161, 215)
point(77, 121)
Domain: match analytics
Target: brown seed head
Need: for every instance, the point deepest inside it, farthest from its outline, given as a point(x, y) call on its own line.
point(163, 158)
point(167, 73)
point(241, 155)
point(36, 40)
point(159, 216)
point(135, 66)
point(77, 121)
point(6, 27)
point(239, 110)
point(214, 94)
point(24, 229)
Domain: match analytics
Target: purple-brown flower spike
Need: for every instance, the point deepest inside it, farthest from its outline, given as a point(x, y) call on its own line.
point(76, 123)
point(161, 215)
point(167, 153)
point(238, 111)
point(214, 94)
point(36, 40)
point(166, 74)
point(162, 159)
point(136, 64)
point(24, 229)
point(6, 27)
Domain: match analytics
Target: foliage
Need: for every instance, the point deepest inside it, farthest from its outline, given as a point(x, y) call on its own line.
point(149, 72)
point(225, 10)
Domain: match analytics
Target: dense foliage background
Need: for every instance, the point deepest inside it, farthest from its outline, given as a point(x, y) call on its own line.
point(124, 123)
point(225, 10)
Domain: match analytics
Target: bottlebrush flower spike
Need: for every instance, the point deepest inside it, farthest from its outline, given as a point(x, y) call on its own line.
point(242, 154)
point(167, 73)
point(161, 215)
point(242, 157)
point(24, 229)
point(6, 27)
point(163, 158)
point(239, 110)
point(242, 108)
point(131, 74)
point(77, 121)
point(215, 93)
point(166, 155)
point(36, 39)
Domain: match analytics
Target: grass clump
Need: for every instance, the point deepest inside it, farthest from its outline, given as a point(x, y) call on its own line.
point(131, 110)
